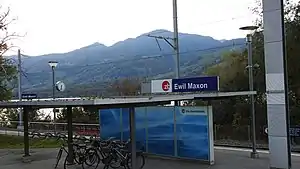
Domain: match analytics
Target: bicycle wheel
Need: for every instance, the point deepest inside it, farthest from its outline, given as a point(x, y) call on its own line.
point(91, 160)
point(140, 161)
point(61, 137)
point(48, 135)
point(78, 154)
point(91, 156)
point(35, 134)
point(68, 164)
point(58, 157)
point(115, 162)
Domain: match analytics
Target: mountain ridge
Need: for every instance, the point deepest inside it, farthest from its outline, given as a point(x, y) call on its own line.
point(158, 32)
point(132, 57)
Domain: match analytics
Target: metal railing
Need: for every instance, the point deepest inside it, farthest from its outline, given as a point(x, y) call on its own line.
point(224, 135)
point(240, 136)
point(10, 128)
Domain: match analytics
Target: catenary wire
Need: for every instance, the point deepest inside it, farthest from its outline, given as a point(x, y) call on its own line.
point(143, 57)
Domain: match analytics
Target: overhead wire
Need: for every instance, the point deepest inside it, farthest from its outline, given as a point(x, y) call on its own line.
point(163, 31)
point(26, 73)
point(143, 57)
point(206, 23)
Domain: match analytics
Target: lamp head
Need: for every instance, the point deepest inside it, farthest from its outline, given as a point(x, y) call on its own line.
point(249, 28)
point(53, 64)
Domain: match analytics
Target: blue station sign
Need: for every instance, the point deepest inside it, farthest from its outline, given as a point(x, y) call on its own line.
point(196, 84)
point(29, 96)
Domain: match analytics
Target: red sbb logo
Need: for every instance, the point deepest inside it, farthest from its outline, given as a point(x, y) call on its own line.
point(165, 85)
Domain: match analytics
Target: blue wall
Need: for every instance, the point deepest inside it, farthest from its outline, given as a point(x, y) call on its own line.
point(155, 126)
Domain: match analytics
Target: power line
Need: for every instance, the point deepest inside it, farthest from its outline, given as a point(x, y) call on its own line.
point(163, 31)
point(26, 77)
point(206, 23)
point(142, 57)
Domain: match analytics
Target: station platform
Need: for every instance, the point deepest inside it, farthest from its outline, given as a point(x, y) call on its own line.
point(226, 158)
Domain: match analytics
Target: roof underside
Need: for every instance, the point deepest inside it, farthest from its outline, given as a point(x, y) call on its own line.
point(122, 102)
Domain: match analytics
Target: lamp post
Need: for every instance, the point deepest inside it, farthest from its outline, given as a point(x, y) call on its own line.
point(53, 65)
point(250, 66)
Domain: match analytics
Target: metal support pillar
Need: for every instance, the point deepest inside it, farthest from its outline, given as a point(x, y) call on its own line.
point(70, 135)
point(176, 44)
point(276, 84)
point(20, 88)
point(53, 96)
point(176, 40)
point(254, 153)
point(121, 125)
point(132, 137)
point(26, 133)
point(146, 129)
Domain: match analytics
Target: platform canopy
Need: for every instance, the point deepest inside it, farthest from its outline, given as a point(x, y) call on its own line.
point(121, 102)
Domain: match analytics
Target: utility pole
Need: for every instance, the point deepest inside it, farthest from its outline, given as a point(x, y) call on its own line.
point(20, 87)
point(250, 67)
point(53, 65)
point(177, 75)
point(254, 153)
point(175, 44)
point(175, 39)
point(175, 47)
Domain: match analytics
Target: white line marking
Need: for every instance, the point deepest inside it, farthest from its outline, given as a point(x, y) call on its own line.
point(248, 150)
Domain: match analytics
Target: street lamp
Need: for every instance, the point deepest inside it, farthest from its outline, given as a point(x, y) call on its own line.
point(250, 66)
point(53, 65)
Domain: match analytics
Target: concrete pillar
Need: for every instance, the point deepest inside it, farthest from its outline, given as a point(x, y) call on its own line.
point(276, 84)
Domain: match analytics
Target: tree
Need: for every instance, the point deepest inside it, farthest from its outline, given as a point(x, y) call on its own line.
point(292, 29)
point(7, 69)
point(8, 115)
point(234, 76)
point(79, 115)
point(125, 87)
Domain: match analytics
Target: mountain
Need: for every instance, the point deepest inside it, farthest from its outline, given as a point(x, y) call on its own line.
point(141, 56)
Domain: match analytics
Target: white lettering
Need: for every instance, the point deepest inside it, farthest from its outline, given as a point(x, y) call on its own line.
point(176, 86)
point(194, 112)
point(197, 86)
point(181, 87)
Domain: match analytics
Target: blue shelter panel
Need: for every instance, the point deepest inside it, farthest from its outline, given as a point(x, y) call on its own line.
point(141, 127)
point(140, 120)
point(192, 132)
point(125, 124)
point(110, 123)
point(155, 129)
point(160, 130)
point(115, 123)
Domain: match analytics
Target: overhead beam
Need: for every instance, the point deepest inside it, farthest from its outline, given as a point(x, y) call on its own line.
point(125, 101)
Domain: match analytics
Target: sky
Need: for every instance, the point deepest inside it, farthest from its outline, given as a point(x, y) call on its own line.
point(58, 26)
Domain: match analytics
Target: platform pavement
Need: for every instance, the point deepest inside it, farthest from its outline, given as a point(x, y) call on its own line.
point(226, 158)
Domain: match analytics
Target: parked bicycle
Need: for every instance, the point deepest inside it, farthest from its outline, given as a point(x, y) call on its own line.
point(89, 152)
point(80, 157)
point(116, 154)
point(46, 135)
